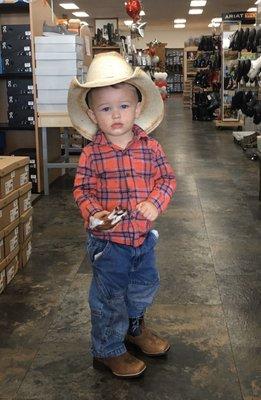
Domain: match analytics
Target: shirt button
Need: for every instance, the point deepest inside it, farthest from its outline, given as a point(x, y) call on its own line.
point(127, 174)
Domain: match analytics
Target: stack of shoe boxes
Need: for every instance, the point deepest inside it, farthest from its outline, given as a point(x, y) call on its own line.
point(58, 59)
point(17, 61)
point(31, 153)
point(15, 217)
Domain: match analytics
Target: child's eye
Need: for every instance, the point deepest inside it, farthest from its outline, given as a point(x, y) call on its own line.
point(124, 106)
point(106, 109)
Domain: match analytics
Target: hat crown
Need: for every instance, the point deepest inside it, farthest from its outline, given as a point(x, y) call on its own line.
point(108, 66)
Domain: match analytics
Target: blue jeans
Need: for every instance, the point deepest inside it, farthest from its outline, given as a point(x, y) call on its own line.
point(125, 280)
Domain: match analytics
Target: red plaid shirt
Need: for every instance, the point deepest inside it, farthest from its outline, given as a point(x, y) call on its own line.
point(108, 176)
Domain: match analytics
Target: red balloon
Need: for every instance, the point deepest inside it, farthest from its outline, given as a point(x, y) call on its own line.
point(133, 8)
point(160, 83)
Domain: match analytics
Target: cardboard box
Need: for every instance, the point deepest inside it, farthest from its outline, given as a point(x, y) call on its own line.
point(25, 253)
point(47, 70)
point(21, 176)
point(11, 238)
point(20, 100)
point(19, 86)
point(12, 31)
point(58, 65)
point(9, 209)
point(17, 65)
point(12, 266)
point(52, 96)
point(58, 40)
point(2, 280)
point(25, 198)
point(12, 172)
point(53, 82)
point(76, 55)
point(8, 269)
point(50, 108)
point(2, 247)
point(21, 118)
point(11, 46)
point(25, 226)
point(59, 48)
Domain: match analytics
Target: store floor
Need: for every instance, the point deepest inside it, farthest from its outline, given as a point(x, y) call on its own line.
point(209, 256)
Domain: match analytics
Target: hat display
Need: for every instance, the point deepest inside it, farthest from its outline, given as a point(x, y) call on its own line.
point(109, 69)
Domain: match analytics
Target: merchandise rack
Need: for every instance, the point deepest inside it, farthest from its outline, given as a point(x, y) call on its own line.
point(174, 67)
point(189, 74)
point(34, 14)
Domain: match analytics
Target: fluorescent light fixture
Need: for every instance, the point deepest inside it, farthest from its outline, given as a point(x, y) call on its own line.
point(80, 14)
point(219, 19)
point(252, 9)
point(180, 21)
point(128, 22)
point(142, 13)
point(69, 6)
point(196, 11)
point(198, 3)
point(179, 26)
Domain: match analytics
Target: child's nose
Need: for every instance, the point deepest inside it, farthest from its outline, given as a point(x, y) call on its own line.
point(116, 113)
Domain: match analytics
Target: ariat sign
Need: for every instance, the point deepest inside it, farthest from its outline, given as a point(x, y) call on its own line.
point(239, 16)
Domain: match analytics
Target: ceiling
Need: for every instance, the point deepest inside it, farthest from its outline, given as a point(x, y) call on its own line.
point(158, 13)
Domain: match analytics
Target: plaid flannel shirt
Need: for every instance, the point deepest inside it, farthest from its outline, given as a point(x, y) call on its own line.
point(108, 176)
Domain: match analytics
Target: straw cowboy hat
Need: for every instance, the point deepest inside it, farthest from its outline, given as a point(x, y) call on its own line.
point(108, 69)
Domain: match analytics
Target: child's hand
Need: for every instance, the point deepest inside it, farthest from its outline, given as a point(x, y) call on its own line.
point(148, 210)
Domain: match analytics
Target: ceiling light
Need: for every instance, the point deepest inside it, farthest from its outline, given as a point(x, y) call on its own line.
point(179, 26)
point(257, 1)
point(252, 9)
point(128, 22)
point(69, 6)
point(142, 13)
point(216, 19)
point(195, 11)
point(198, 3)
point(180, 21)
point(80, 14)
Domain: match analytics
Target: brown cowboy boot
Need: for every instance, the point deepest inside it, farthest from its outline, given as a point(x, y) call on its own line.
point(123, 366)
point(146, 340)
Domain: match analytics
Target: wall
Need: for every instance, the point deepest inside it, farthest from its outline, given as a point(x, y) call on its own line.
point(174, 38)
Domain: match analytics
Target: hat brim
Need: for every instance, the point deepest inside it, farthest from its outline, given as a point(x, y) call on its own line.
point(152, 107)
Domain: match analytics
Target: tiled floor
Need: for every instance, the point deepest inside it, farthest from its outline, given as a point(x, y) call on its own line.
point(209, 257)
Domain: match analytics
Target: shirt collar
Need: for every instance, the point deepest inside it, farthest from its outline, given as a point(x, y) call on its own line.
point(101, 139)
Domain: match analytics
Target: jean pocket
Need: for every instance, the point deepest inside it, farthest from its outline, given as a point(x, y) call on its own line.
point(154, 235)
point(97, 248)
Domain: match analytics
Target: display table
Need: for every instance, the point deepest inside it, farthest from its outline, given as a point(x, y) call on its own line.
point(54, 120)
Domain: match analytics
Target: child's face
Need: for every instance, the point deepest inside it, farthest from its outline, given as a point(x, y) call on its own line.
point(114, 110)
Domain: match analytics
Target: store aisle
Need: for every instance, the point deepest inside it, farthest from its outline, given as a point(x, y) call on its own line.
point(209, 256)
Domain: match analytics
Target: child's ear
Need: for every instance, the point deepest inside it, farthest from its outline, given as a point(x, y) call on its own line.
point(91, 115)
point(138, 110)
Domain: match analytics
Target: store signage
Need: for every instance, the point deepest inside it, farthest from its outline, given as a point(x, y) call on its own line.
point(243, 16)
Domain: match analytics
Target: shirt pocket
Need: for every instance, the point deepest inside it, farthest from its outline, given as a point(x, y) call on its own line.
point(109, 181)
point(143, 165)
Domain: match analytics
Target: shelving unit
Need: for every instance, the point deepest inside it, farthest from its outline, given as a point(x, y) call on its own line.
point(174, 68)
point(18, 137)
point(190, 54)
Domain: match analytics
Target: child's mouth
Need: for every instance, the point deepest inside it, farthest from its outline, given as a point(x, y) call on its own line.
point(116, 126)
